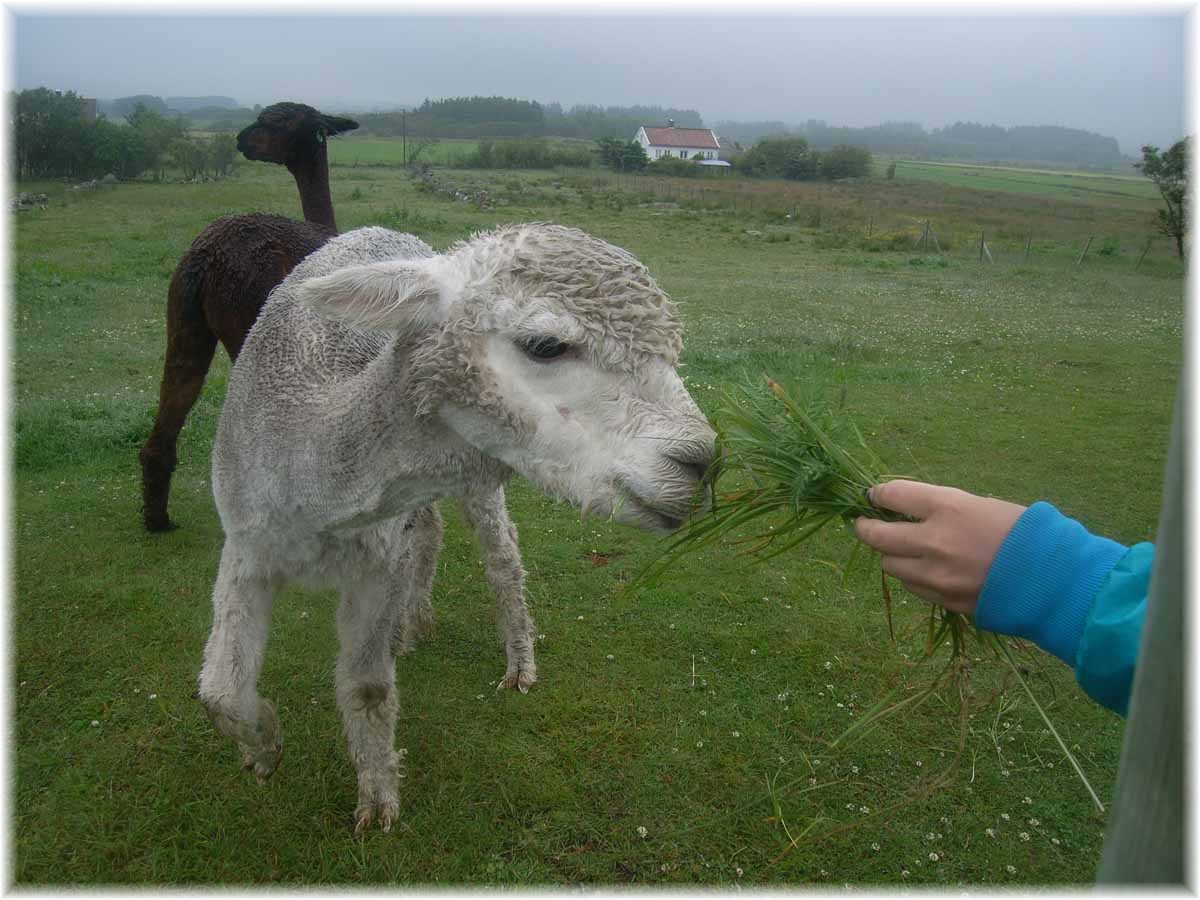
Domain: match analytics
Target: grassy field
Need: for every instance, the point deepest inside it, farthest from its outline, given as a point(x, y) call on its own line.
point(1061, 185)
point(699, 711)
point(354, 150)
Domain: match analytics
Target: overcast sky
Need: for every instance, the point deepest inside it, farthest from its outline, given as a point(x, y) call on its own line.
point(1121, 76)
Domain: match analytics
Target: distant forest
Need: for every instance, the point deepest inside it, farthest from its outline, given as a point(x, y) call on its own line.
point(502, 117)
point(967, 141)
point(496, 117)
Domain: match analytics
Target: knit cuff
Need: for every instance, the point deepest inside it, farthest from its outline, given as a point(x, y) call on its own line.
point(1043, 580)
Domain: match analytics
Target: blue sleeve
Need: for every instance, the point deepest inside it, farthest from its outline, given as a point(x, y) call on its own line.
point(1074, 594)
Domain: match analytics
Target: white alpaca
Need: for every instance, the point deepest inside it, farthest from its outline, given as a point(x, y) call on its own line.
point(381, 377)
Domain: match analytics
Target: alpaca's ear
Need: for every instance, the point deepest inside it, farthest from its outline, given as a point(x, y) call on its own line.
point(396, 296)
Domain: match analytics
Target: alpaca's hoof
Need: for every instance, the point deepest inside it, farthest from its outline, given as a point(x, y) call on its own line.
point(264, 761)
point(381, 812)
point(159, 524)
point(522, 679)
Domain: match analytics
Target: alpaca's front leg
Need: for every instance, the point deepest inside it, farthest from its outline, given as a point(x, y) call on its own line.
point(502, 560)
point(366, 694)
point(233, 659)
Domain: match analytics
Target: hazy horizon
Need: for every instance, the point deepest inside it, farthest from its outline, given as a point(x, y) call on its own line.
point(1120, 76)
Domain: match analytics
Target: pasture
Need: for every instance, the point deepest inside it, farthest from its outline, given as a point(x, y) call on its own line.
point(1057, 184)
point(678, 735)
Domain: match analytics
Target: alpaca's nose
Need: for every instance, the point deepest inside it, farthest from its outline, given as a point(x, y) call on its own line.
point(696, 452)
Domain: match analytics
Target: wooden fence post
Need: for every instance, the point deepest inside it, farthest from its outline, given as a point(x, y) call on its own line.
point(1085, 249)
point(1145, 250)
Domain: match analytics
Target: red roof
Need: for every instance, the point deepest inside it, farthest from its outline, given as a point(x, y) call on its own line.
point(682, 137)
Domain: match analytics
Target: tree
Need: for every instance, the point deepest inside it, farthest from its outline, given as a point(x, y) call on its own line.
point(1168, 171)
point(624, 156)
point(157, 133)
point(222, 152)
point(780, 157)
point(51, 135)
point(845, 161)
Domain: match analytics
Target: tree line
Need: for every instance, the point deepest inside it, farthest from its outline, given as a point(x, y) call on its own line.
point(502, 117)
point(53, 139)
point(964, 141)
point(789, 157)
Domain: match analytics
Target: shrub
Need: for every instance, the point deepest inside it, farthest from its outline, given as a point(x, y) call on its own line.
point(674, 166)
point(844, 161)
point(528, 153)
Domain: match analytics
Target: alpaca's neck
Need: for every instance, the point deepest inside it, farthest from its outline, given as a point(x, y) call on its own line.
point(312, 178)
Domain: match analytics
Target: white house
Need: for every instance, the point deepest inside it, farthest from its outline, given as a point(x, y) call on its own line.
point(683, 143)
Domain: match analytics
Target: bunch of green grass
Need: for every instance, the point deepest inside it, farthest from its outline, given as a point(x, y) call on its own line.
point(802, 476)
point(809, 467)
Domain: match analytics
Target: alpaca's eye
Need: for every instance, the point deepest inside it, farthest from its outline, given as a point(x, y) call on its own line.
point(545, 347)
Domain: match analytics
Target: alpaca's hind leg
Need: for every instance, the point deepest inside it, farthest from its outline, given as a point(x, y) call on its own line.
point(190, 348)
point(502, 561)
point(366, 693)
point(416, 614)
point(233, 660)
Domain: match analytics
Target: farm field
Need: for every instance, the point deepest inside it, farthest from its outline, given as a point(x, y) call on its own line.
point(386, 151)
point(1063, 185)
point(678, 734)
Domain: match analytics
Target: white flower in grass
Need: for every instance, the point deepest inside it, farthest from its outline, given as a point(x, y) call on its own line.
point(1027, 801)
point(1024, 835)
point(95, 723)
point(736, 733)
point(854, 770)
point(642, 831)
point(1034, 823)
point(919, 764)
point(904, 873)
point(933, 857)
point(1011, 870)
point(609, 656)
point(153, 696)
point(875, 847)
point(864, 810)
point(828, 664)
point(739, 871)
point(989, 832)
point(1055, 841)
point(1004, 816)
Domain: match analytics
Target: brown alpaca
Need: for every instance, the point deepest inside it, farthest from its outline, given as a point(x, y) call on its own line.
point(224, 277)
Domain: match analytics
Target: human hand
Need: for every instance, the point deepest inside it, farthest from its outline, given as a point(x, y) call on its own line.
point(945, 555)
